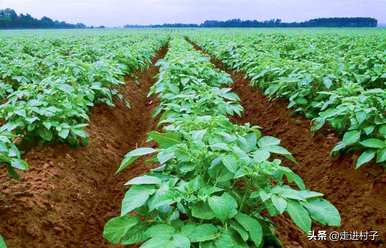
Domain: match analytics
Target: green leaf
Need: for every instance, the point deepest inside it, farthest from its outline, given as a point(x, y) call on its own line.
point(19, 164)
point(261, 155)
point(202, 211)
point(382, 130)
point(240, 230)
point(4, 158)
point(14, 151)
point(136, 197)
point(133, 155)
point(263, 195)
point(200, 232)
point(278, 150)
point(228, 239)
point(79, 132)
point(339, 146)
point(117, 227)
point(323, 212)
point(369, 130)
point(268, 141)
point(135, 235)
point(361, 116)
point(141, 151)
point(219, 147)
point(381, 155)
point(160, 230)
point(287, 192)
point(165, 156)
point(224, 207)
point(179, 241)
point(279, 203)
point(327, 82)
point(2, 242)
point(65, 87)
point(317, 124)
point(251, 139)
point(373, 143)
point(299, 215)
point(351, 137)
point(252, 226)
point(301, 101)
point(64, 133)
point(175, 241)
point(45, 134)
point(293, 177)
point(230, 163)
point(161, 198)
point(198, 135)
point(272, 211)
point(364, 158)
point(165, 140)
point(306, 194)
point(21, 112)
point(144, 180)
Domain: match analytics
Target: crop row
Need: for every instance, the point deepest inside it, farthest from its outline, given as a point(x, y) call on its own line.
point(31, 59)
point(216, 183)
point(48, 85)
point(335, 80)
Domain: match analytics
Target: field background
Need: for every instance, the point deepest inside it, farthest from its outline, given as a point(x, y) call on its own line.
point(70, 189)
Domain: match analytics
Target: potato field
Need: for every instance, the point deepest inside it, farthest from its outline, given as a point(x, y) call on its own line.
point(205, 138)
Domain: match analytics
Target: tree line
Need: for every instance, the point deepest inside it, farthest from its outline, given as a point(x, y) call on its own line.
point(319, 22)
point(9, 19)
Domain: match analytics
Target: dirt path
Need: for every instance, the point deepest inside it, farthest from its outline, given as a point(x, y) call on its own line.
point(360, 195)
point(68, 194)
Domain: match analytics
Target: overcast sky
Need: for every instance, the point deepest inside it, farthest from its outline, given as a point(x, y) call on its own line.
point(120, 12)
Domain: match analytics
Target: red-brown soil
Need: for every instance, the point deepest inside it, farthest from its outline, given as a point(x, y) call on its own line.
point(67, 195)
point(359, 195)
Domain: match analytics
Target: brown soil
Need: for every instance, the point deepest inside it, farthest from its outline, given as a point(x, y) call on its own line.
point(359, 195)
point(67, 195)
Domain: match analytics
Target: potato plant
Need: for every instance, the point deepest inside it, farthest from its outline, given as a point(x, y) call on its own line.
point(217, 183)
point(10, 155)
point(361, 118)
point(337, 80)
point(49, 84)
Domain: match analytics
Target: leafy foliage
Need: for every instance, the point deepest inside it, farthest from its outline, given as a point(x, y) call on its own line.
point(48, 84)
point(217, 182)
point(334, 79)
point(10, 155)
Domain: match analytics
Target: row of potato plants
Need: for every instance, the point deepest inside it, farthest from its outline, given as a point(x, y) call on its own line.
point(216, 183)
point(31, 60)
point(332, 79)
point(49, 84)
point(54, 81)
